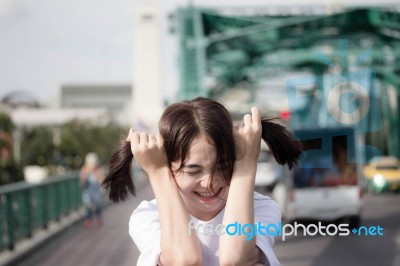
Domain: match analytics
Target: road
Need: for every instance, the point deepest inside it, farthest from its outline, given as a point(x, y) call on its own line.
point(108, 245)
point(383, 210)
point(111, 245)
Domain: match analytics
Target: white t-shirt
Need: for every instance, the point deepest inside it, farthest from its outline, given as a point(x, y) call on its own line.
point(144, 228)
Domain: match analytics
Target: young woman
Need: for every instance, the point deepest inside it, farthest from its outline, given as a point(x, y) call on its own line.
point(202, 171)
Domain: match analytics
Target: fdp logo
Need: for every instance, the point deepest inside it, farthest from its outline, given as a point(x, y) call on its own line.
point(334, 100)
point(341, 97)
point(346, 94)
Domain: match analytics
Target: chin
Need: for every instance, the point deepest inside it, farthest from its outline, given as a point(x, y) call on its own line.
point(211, 205)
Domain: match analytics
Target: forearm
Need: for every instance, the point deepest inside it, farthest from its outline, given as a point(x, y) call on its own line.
point(239, 249)
point(177, 246)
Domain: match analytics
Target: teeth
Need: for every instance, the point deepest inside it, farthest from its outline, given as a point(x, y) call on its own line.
point(207, 194)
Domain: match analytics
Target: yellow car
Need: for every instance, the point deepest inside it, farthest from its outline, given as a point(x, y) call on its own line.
point(382, 174)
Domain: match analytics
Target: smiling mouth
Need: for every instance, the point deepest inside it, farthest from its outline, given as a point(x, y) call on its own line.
point(208, 195)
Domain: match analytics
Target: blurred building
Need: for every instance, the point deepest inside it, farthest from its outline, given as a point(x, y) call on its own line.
point(19, 99)
point(147, 101)
point(26, 111)
point(29, 117)
point(116, 99)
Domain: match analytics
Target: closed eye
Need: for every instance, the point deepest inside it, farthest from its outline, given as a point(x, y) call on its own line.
point(192, 169)
point(193, 173)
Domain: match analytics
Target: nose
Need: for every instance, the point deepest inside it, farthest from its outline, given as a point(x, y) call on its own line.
point(205, 179)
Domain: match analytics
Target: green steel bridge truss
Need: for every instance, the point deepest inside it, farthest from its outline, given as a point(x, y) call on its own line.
point(233, 49)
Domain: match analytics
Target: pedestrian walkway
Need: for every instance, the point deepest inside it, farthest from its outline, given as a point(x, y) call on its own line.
point(107, 245)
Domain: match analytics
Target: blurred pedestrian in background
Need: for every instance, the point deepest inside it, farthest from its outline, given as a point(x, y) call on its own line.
point(91, 176)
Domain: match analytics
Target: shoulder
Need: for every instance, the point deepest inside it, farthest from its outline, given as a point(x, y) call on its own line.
point(145, 215)
point(266, 206)
point(267, 213)
point(144, 219)
point(144, 228)
point(263, 200)
point(145, 209)
point(147, 204)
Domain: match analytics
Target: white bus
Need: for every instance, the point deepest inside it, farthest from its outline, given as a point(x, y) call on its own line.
point(327, 183)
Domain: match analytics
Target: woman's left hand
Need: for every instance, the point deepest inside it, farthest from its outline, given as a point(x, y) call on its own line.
point(240, 202)
point(248, 140)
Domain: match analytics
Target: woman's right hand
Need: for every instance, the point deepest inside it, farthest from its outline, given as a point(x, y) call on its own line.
point(148, 150)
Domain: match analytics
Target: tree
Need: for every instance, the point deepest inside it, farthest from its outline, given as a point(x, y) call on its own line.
point(68, 144)
point(37, 147)
point(79, 138)
point(10, 170)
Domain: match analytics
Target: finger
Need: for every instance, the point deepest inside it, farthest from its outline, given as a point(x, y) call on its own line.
point(129, 135)
point(255, 115)
point(135, 137)
point(143, 138)
point(247, 120)
point(159, 139)
point(152, 139)
point(240, 125)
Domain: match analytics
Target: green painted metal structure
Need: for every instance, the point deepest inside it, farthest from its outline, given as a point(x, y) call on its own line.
point(27, 208)
point(229, 50)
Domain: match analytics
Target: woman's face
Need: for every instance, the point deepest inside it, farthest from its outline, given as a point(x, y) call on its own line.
point(194, 177)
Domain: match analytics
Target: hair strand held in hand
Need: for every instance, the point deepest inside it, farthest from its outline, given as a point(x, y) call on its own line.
point(281, 142)
point(119, 179)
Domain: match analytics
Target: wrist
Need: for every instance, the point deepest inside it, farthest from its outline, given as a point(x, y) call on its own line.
point(245, 169)
point(246, 164)
point(159, 173)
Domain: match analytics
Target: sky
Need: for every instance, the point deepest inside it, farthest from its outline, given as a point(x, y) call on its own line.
point(45, 44)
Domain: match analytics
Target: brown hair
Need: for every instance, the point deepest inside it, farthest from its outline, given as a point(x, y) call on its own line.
point(180, 124)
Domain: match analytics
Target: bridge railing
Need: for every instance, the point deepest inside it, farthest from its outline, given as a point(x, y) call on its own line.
point(27, 208)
